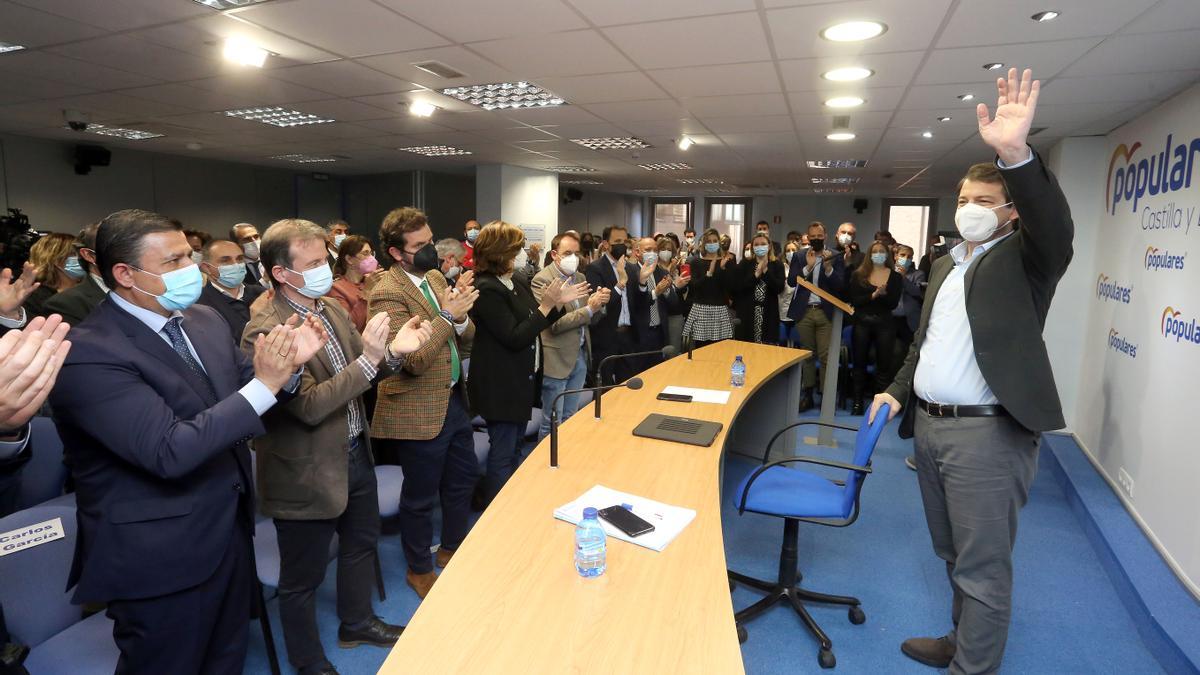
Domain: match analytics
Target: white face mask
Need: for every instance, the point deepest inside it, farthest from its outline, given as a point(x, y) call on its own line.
point(250, 248)
point(844, 239)
point(452, 272)
point(788, 255)
point(521, 261)
point(649, 257)
point(568, 263)
point(977, 223)
point(197, 257)
point(665, 255)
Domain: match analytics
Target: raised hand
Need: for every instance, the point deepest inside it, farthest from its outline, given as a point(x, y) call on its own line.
point(622, 274)
point(411, 336)
point(683, 280)
point(29, 363)
point(13, 293)
point(310, 337)
point(599, 299)
point(662, 286)
point(552, 294)
point(761, 268)
point(572, 292)
point(458, 303)
point(646, 271)
point(374, 337)
point(1008, 131)
point(273, 354)
point(465, 280)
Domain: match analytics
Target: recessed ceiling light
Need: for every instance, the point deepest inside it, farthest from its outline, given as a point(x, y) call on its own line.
point(301, 158)
point(435, 150)
point(570, 169)
point(580, 181)
point(700, 181)
point(835, 181)
point(421, 108)
point(625, 143)
point(685, 143)
point(649, 189)
point(853, 31)
point(505, 95)
point(844, 102)
point(926, 134)
point(944, 118)
point(838, 188)
point(276, 116)
point(228, 4)
point(993, 66)
point(836, 163)
point(10, 47)
point(666, 166)
point(720, 190)
point(851, 74)
point(966, 97)
point(840, 136)
point(243, 53)
point(119, 132)
point(1048, 15)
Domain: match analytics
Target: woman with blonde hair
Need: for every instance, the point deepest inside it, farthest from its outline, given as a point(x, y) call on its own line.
point(759, 281)
point(56, 258)
point(506, 363)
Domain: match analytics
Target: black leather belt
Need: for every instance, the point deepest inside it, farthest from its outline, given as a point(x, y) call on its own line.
point(943, 410)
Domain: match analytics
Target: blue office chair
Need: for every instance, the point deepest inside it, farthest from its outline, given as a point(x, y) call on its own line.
point(775, 489)
point(44, 476)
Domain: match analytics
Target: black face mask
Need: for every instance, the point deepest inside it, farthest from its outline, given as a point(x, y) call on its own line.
point(617, 250)
point(817, 244)
point(426, 259)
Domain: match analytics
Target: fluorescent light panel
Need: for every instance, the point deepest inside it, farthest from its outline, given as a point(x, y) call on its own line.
point(580, 181)
point(827, 190)
point(570, 169)
point(649, 189)
point(228, 4)
point(701, 181)
point(120, 132)
point(841, 136)
point(10, 47)
point(276, 116)
point(435, 150)
point(841, 180)
point(243, 53)
point(837, 163)
point(301, 158)
point(666, 166)
point(844, 102)
point(624, 143)
point(852, 74)
point(505, 95)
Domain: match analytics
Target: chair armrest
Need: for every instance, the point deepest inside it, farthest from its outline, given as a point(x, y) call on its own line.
point(831, 425)
point(807, 460)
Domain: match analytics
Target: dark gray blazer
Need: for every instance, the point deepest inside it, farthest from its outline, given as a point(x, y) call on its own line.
point(1009, 288)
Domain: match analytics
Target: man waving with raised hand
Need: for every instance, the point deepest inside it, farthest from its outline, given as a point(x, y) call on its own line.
point(976, 388)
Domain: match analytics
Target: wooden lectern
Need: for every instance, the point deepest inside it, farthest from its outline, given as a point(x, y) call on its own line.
point(829, 370)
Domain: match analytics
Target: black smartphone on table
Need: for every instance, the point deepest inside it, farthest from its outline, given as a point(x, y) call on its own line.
point(625, 520)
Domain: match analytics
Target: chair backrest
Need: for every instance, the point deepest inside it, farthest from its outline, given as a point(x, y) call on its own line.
point(864, 446)
point(36, 603)
point(45, 475)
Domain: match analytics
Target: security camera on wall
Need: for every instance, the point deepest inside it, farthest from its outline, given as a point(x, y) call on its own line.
point(76, 120)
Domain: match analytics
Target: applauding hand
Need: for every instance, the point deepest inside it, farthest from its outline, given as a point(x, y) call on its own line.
point(1008, 131)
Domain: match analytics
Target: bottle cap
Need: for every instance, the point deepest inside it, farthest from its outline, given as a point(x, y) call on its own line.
point(589, 512)
point(627, 507)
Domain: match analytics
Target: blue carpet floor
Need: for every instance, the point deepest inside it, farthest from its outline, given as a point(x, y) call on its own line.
point(1067, 616)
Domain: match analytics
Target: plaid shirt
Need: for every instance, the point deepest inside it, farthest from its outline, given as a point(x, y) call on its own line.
point(337, 356)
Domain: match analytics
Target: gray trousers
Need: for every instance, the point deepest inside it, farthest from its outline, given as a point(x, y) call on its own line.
point(975, 474)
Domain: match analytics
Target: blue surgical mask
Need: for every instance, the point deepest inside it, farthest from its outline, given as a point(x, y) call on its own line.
point(231, 276)
point(710, 247)
point(471, 234)
point(317, 281)
point(761, 251)
point(73, 269)
point(338, 239)
point(878, 258)
point(183, 287)
point(903, 262)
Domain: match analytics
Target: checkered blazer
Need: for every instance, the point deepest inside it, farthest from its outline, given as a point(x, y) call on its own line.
point(412, 404)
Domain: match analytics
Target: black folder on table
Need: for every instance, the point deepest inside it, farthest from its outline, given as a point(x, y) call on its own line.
point(678, 429)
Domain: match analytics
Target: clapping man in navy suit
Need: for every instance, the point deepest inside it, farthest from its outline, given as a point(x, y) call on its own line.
point(154, 407)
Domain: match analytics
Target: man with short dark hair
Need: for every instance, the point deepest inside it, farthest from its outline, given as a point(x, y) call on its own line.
point(246, 236)
point(848, 249)
point(764, 228)
point(224, 263)
point(470, 232)
point(335, 232)
point(614, 333)
point(812, 314)
point(977, 389)
point(154, 408)
point(689, 242)
point(77, 302)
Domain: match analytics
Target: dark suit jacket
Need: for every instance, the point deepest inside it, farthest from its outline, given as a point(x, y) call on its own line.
point(503, 382)
point(1008, 292)
point(75, 304)
point(911, 299)
point(668, 303)
point(600, 274)
point(743, 300)
point(834, 283)
point(235, 312)
point(253, 277)
point(161, 468)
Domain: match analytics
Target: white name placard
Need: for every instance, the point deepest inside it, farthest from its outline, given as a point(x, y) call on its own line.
point(29, 536)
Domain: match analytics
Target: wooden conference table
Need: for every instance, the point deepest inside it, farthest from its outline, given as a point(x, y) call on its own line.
point(511, 601)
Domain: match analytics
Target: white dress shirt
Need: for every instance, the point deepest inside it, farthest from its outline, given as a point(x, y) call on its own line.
point(255, 392)
point(947, 372)
point(623, 319)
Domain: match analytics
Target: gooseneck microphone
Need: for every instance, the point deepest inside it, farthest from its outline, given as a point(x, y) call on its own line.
point(667, 352)
point(632, 383)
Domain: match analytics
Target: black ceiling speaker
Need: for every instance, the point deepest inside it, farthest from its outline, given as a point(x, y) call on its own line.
point(87, 156)
point(569, 195)
point(860, 205)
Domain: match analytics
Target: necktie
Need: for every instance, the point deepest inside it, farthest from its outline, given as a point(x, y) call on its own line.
point(654, 318)
point(175, 334)
point(455, 365)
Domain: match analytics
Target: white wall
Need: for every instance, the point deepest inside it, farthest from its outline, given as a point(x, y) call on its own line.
point(517, 195)
point(597, 210)
point(1133, 409)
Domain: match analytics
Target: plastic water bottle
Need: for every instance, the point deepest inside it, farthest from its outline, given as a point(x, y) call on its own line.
point(591, 545)
point(737, 373)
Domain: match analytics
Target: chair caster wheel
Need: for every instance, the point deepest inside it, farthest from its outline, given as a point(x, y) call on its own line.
point(857, 616)
point(742, 635)
point(826, 658)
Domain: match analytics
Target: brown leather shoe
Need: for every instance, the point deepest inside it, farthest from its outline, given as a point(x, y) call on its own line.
point(443, 556)
point(421, 583)
point(936, 652)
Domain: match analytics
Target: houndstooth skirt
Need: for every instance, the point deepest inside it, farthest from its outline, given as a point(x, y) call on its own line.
point(708, 323)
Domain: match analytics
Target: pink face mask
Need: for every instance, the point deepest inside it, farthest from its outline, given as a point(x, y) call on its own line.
point(368, 265)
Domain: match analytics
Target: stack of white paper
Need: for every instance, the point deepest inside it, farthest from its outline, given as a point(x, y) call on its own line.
point(719, 396)
point(668, 521)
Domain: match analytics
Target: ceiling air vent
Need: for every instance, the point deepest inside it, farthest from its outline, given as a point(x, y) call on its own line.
point(841, 122)
point(438, 68)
